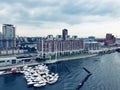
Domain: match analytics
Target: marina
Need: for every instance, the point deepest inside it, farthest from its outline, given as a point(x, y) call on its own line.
point(39, 75)
point(36, 76)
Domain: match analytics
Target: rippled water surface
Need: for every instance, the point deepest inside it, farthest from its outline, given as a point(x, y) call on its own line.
point(105, 75)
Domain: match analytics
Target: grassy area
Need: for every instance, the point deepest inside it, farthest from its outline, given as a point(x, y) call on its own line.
point(69, 56)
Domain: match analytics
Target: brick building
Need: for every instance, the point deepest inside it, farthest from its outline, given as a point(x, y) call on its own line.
point(109, 40)
point(59, 46)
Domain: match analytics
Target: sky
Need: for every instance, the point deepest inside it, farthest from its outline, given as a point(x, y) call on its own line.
point(44, 17)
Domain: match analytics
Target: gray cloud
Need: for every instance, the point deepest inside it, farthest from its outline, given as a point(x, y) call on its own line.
point(36, 12)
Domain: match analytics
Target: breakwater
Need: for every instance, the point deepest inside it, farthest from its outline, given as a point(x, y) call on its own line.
point(84, 80)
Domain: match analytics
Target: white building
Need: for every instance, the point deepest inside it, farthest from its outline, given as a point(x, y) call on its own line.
point(8, 61)
point(4, 61)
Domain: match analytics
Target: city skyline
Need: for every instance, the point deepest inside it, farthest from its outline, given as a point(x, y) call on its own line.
point(43, 17)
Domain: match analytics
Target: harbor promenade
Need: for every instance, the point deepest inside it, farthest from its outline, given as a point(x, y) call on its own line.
point(70, 58)
point(46, 62)
point(58, 59)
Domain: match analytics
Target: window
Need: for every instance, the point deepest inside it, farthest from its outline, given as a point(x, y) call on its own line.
point(2, 61)
point(8, 61)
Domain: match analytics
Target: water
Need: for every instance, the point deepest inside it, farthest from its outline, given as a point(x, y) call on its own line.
point(105, 75)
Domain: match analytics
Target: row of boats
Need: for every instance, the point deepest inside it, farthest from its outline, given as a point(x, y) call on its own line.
point(39, 75)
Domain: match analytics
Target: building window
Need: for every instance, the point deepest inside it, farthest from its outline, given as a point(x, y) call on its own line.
point(2, 61)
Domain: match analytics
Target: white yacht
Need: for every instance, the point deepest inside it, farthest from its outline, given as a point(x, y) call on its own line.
point(52, 78)
point(30, 83)
point(40, 84)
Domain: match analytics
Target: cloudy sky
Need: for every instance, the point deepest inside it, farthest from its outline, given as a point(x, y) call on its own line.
point(81, 17)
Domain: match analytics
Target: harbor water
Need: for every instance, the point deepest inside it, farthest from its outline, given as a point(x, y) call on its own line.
point(105, 71)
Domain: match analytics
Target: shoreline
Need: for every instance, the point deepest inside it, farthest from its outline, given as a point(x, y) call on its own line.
point(47, 62)
point(69, 58)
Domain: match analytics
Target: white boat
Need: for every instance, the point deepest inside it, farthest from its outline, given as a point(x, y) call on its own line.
point(36, 85)
point(30, 83)
point(28, 80)
point(35, 74)
point(2, 72)
point(53, 79)
point(39, 84)
point(25, 67)
point(33, 78)
point(37, 79)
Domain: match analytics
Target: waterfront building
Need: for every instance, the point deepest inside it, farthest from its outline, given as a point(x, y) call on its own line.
point(4, 61)
point(7, 61)
point(59, 46)
point(12, 51)
point(64, 34)
point(9, 37)
point(109, 40)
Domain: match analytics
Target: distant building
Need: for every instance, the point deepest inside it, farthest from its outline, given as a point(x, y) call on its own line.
point(118, 42)
point(64, 34)
point(59, 37)
point(92, 45)
point(50, 37)
point(75, 37)
point(8, 31)
point(91, 38)
point(9, 37)
point(109, 40)
point(1, 40)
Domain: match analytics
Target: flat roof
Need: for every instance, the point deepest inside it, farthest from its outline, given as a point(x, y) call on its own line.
point(6, 58)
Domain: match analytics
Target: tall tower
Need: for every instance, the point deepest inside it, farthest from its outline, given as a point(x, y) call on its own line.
point(64, 34)
point(9, 36)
